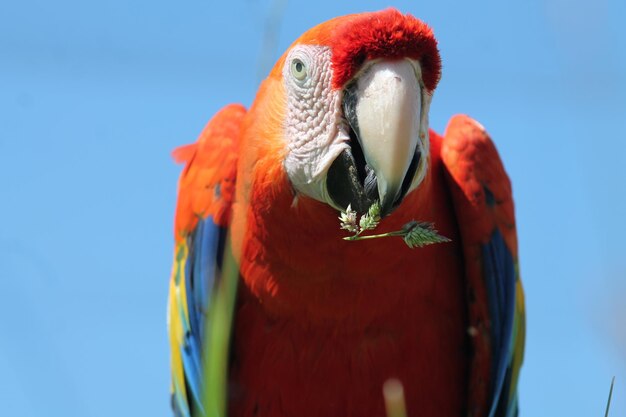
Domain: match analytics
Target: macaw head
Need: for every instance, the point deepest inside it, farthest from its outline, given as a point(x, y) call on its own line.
point(357, 93)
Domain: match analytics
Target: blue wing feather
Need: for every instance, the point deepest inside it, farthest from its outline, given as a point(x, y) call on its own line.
point(205, 270)
point(201, 275)
point(179, 406)
point(499, 274)
point(196, 287)
point(483, 203)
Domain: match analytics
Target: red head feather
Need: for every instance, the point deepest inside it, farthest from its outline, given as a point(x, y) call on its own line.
point(388, 34)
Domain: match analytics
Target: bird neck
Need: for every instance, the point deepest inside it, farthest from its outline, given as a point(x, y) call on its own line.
point(293, 258)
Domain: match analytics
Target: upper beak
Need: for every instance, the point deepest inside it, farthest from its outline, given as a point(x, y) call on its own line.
point(385, 114)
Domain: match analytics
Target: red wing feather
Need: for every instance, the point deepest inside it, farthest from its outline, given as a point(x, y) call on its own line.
point(206, 191)
point(207, 184)
point(483, 203)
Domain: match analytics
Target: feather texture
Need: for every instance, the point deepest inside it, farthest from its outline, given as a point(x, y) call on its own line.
point(321, 323)
point(481, 193)
point(205, 197)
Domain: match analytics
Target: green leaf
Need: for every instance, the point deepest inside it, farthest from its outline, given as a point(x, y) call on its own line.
point(415, 234)
point(419, 234)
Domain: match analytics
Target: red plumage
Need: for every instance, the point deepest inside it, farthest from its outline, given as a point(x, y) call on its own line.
point(387, 34)
point(321, 323)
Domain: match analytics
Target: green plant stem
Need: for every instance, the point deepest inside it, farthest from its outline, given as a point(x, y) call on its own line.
point(608, 403)
point(218, 328)
point(366, 237)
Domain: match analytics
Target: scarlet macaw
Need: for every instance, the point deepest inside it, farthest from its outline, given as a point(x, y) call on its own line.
point(319, 322)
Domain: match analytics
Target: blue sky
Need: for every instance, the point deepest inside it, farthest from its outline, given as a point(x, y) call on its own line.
point(94, 96)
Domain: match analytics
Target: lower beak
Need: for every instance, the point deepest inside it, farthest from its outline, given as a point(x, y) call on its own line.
point(385, 114)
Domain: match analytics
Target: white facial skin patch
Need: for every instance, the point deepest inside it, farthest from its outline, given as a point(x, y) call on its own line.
point(315, 130)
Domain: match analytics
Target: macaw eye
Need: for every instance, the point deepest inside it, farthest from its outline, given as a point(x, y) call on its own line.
point(298, 69)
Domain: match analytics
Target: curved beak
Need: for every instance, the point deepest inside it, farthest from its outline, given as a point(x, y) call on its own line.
point(384, 110)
